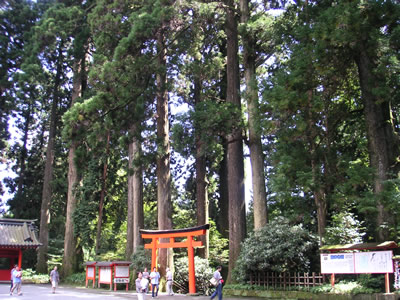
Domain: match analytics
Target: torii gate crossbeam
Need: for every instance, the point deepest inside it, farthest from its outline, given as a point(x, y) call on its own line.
point(189, 243)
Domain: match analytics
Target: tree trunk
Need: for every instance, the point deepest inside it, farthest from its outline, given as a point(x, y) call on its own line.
point(237, 205)
point(255, 146)
point(23, 155)
point(70, 242)
point(383, 148)
point(135, 195)
point(164, 204)
point(223, 216)
point(48, 172)
point(102, 197)
point(318, 190)
point(201, 180)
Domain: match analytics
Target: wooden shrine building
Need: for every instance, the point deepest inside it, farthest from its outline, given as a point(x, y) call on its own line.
point(15, 236)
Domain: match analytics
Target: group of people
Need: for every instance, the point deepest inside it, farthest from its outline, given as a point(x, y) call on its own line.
point(16, 280)
point(144, 279)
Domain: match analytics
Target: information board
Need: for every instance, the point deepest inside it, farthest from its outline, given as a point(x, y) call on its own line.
point(121, 271)
point(90, 272)
point(105, 274)
point(337, 263)
point(374, 262)
point(357, 263)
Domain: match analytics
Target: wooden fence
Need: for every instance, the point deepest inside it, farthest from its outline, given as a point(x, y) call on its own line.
point(285, 281)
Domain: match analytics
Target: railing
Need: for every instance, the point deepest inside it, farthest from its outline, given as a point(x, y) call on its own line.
point(285, 281)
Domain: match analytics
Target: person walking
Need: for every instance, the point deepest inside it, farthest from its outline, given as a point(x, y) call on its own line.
point(17, 280)
point(141, 286)
point(155, 281)
point(146, 275)
point(54, 279)
point(169, 282)
point(11, 273)
point(218, 289)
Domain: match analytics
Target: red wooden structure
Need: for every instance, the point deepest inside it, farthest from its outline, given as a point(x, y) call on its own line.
point(90, 272)
point(15, 236)
point(121, 273)
point(189, 243)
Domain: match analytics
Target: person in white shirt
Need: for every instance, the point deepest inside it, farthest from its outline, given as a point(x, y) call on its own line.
point(169, 282)
point(141, 286)
point(155, 280)
point(218, 290)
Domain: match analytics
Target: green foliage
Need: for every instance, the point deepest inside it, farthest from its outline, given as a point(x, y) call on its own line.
point(31, 276)
point(344, 229)
point(218, 247)
point(277, 247)
point(343, 287)
point(373, 282)
point(203, 274)
point(76, 279)
point(141, 259)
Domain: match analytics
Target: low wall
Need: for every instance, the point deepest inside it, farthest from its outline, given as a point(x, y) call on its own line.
point(298, 295)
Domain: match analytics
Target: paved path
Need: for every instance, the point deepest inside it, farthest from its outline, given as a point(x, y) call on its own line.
point(43, 292)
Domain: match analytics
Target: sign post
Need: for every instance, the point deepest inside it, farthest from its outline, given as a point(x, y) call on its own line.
point(358, 261)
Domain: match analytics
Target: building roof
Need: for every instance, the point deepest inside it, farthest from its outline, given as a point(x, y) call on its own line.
point(362, 246)
point(17, 233)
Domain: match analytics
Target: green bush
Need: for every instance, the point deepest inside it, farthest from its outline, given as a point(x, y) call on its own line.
point(30, 276)
point(76, 279)
point(141, 259)
point(373, 282)
point(203, 274)
point(277, 247)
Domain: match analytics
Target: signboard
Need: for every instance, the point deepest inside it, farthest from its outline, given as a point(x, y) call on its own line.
point(357, 263)
point(90, 272)
point(121, 280)
point(121, 271)
point(337, 263)
point(105, 275)
point(374, 262)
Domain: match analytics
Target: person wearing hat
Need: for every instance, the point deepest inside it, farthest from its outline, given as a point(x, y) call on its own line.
point(169, 282)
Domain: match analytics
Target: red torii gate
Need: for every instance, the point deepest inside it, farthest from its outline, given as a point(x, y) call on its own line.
point(190, 243)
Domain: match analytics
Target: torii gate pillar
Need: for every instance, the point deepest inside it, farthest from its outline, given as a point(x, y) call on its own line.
point(190, 243)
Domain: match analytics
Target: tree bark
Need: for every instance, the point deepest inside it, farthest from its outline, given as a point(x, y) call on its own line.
point(237, 206)
point(255, 146)
point(135, 195)
point(201, 180)
point(382, 144)
point(70, 242)
point(48, 172)
point(23, 155)
point(164, 204)
point(102, 197)
point(223, 216)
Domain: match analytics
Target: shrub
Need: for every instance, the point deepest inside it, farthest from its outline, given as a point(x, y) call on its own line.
point(203, 274)
point(277, 247)
point(76, 279)
point(141, 259)
point(375, 283)
point(31, 276)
